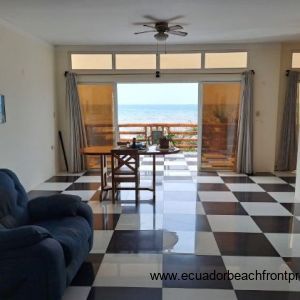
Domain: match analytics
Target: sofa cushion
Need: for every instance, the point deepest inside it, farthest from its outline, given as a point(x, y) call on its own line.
point(72, 233)
point(13, 201)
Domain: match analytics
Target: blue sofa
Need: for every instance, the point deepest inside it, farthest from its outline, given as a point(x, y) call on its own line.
point(43, 242)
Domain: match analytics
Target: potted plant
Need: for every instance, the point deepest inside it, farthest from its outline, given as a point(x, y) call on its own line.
point(164, 142)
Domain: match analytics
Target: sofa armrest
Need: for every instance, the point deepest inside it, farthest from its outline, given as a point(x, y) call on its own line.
point(21, 237)
point(55, 206)
point(34, 272)
point(85, 211)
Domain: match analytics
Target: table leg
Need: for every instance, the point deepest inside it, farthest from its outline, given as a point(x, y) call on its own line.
point(103, 173)
point(154, 177)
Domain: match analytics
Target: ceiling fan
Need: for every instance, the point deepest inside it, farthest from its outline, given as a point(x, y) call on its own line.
point(163, 29)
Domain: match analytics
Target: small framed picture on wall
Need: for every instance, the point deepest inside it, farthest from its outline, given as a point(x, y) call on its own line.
point(2, 110)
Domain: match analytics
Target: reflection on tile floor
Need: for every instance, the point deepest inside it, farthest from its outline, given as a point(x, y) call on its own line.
point(201, 222)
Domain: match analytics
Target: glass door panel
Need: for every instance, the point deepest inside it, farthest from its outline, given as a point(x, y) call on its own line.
point(220, 110)
point(97, 103)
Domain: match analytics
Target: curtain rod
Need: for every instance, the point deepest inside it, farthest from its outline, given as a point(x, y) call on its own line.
point(157, 73)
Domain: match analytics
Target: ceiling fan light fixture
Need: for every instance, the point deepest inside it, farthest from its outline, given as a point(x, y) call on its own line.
point(161, 36)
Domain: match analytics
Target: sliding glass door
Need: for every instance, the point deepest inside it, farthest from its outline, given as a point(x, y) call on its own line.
point(220, 109)
point(97, 103)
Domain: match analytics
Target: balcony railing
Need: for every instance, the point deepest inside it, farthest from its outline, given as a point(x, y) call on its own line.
point(184, 135)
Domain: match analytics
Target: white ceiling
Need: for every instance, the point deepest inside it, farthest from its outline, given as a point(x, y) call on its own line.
point(110, 22)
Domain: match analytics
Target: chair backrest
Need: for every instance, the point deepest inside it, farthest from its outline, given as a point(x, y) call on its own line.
point(13, 200)
point(128, 158)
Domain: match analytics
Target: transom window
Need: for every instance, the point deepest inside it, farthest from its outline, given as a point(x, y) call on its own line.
point(91, 61)
point(180, 61)
point(135, 61)
point(226, 60)
point(296, 60)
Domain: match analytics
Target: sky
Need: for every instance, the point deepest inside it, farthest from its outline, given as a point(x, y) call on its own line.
point(157, 93)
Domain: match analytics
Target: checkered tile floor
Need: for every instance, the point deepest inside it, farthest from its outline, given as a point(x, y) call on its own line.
point(201, 222)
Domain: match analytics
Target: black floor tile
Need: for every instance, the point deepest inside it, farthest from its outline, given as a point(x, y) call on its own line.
point(105, 221)
point(129, 207)
point(290, 179)
point(182, 222)
point(192, 264)
point(264, 174)
point(92, 186)
point(136, 241)
point(293, 208)
point(63, 179)
point(34, 194)
point(267, 295)
point(223, 208)
point(277, 187)
point(94, 172)
point(124, 293)
point(86, 274)
point(277, 224)
point(237, 179)
point(294, 264)
point(96, 196)
point(244, 244)
point(212, 187)
point(95, 258)
point(204, 173)
point(253, 197)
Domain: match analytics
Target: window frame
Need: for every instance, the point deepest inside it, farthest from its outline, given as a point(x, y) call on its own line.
point(292, 54)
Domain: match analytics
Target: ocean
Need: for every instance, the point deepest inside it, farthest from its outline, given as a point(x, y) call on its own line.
point(158, 113)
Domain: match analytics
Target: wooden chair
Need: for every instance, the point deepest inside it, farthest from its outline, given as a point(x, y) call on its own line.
point(125, 168)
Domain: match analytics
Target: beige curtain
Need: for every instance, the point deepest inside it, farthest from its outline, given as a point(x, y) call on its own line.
point(245, 127)
point(288, 144)
point(77, 130)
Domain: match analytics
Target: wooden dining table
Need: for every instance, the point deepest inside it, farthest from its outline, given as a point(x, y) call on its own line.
point(104, 151)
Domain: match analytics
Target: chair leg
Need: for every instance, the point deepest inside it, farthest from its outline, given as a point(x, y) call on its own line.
point(113, 192)
point(136, 192)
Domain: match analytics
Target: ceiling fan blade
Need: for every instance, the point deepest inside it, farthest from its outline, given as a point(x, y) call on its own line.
point(145, 31)
point(180, 33)
point(150, 26)
point(151, 18)
point(175, 27)
point(174, 18)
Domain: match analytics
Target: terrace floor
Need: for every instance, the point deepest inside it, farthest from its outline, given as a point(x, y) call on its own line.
point(201, 222)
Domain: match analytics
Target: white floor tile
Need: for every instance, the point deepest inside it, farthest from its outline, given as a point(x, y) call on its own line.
point(177, 173)
point(246, 264)
point(244, 187)
point(53, 186)
point(182, 186)
point(96, 179)
point(217, 197)
point(284, 197)
point(209, 179)
point(226, 223)
point(265, 209)
point(286, 244)
point(267, 180)
point(231, 174)
point(101, 240)
point(140, 222)
point(199, 243)
point(198, 294)
point(178, 207)
point(84, 195)
point(76, 293)
point(129, 270)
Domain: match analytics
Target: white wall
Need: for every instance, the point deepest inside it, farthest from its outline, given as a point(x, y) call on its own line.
point(264, 58)
point(27, 81)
